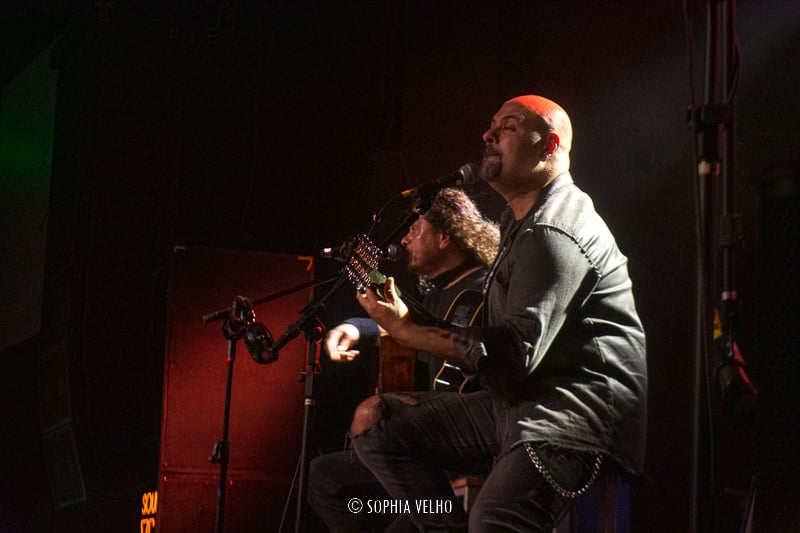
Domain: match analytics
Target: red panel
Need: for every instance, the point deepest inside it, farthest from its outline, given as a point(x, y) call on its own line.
point(267, 400)
point(251, 505)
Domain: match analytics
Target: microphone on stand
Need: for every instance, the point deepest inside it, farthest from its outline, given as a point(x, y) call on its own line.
point(394, 253)
point(259, 341)
point(241, 322)
point(466, 174)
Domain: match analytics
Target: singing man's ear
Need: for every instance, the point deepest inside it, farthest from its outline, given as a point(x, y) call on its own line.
point(553, 142)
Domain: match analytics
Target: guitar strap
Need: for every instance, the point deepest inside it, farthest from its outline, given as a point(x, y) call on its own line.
point(426, 284)
point(464, 308)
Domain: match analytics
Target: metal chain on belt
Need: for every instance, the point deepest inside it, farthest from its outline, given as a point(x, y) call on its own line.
point(569, 494)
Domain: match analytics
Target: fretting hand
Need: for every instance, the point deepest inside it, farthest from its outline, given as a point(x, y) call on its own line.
point(390, 312)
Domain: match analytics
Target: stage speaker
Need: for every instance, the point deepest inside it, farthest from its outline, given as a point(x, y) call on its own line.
point(266, 407)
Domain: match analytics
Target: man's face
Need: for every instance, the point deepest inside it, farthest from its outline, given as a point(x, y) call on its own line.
point(423, 247)
point(513, 146)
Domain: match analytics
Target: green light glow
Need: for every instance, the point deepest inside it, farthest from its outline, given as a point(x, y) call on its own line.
point(27, 108)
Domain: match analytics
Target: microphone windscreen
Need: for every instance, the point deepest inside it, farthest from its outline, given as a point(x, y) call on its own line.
point(394, 252)
point(259, 340)
point(469, 173)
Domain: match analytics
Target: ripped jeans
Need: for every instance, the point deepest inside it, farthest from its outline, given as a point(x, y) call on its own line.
point(413, 439)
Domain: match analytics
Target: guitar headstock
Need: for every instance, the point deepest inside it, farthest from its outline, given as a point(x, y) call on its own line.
point(364, 258)
point(361, 266)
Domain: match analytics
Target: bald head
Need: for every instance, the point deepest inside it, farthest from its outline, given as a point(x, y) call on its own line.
point(526, 147)
point(552, 116)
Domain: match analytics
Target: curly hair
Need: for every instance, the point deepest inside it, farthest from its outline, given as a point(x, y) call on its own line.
point(454, 214)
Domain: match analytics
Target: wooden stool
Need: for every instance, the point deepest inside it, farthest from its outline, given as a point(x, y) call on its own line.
point(466, 489)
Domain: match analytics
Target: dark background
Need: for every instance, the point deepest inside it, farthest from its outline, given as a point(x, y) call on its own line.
point(129, 127)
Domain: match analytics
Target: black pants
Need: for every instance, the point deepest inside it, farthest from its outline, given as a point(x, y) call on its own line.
point(406, 457)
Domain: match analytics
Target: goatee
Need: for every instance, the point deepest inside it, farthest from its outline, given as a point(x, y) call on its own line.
point(490, 170)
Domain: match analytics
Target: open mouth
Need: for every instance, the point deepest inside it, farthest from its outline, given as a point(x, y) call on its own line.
point(489, 153)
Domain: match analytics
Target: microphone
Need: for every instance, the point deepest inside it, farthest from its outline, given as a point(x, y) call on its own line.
point(241, 322)
point(259, 341)
point(394, 253)
point(466, 174)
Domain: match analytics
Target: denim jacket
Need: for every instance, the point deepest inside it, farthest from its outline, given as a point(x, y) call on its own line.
point(561, 343)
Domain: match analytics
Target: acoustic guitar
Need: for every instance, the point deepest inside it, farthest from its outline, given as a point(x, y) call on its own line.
point(397, 361)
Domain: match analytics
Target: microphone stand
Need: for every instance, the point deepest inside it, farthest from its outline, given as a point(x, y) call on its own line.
point(410, 216)
point(221, 452)
point(714, 124)
point(310, 325)
point(233, 329)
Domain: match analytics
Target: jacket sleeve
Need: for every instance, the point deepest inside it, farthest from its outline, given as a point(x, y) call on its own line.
point(368, 330)
point(545, 279)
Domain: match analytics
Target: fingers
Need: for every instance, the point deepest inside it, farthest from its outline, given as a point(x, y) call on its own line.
point(344, 356)
point(340, 340)
point(366, 298)
point(388, 290)
point(386, 293)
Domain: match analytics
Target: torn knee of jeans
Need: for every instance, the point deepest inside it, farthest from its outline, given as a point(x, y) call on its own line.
point(367, 414)
point(408, 399)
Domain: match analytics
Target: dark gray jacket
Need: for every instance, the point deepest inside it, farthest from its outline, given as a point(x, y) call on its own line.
point(562, 343)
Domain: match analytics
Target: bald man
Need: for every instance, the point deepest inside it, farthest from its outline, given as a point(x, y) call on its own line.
point(560, 354)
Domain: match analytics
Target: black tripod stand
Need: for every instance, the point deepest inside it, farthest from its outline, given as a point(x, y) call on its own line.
point(312, 328)
point(238, 322)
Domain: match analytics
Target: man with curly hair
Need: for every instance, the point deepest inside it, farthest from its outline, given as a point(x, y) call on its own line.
point(449, 247)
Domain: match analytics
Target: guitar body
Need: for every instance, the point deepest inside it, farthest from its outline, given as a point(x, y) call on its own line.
point(464, 310)
point(396, 371)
